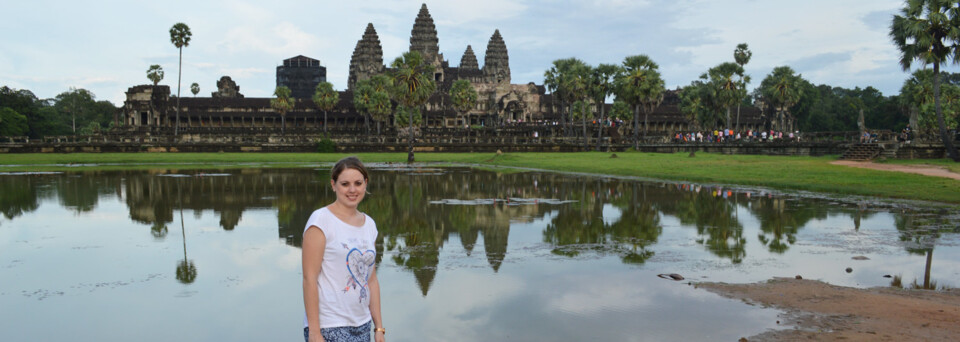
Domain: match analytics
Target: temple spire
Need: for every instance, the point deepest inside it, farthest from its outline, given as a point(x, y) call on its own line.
point(469, 60)
point(496, 61)
point(367, 59)
point(423, 37)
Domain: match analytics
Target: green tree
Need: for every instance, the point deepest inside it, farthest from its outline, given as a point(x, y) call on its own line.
point(12, 123)
point(180, 37)
point(326, 98)
point(640, 85)
point(694, 104)
point(555, 81)
point(917, 95)
point(782, 89)
point(928, 31)
point(727, 90)
point(370, 97)
point(155, 74)
point(195, 89)
point(742, 55)
point(601, 86)
point(282, 103)
point(576, 79)
point(76, 102)
point(464, 98)
point(412, 86)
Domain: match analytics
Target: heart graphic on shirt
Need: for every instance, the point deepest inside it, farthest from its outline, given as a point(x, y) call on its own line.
point(359, 264)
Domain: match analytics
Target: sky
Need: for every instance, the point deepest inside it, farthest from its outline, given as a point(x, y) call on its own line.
point(106, 46)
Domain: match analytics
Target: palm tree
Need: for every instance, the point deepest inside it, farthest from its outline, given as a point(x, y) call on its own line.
point(180, 37)
point(640, 85)
point(326, 99)
point(782, 89)
point(554, 80)
point(155, 74)
point(742, 56)
point(727, 90)
point(927, 31)
point(576, 80)
point(412, 86)
point(195, 89)
point(283, 103)
point(602, 86)
point(464, 98)
point(362, 93)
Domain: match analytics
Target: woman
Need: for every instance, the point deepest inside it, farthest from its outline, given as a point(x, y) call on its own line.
point(341, 294)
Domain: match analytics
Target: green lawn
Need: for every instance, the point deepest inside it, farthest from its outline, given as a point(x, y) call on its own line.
point(799, 173)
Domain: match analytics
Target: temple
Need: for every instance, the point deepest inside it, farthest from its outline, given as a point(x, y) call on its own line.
point(500, 102)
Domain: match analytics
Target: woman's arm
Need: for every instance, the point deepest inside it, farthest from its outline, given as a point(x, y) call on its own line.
point(314, 242)
point(374, 286)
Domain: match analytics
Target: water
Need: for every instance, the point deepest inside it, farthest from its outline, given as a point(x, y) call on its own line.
point(464, 255)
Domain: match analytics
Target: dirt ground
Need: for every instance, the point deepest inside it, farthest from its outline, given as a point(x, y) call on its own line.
point(817, 311)
point(926, 170)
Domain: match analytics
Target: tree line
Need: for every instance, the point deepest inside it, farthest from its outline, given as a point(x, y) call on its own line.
point(73, 112)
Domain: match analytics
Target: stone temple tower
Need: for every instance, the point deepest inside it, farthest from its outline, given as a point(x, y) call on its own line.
point(469, 60)
point(367, 59)
point(423, 38)
point(496, 63)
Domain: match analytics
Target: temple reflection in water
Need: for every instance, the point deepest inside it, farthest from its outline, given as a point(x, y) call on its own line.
point(420, 210)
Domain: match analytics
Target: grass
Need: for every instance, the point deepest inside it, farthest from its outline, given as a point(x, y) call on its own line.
point(944, 162)
point(783, 172)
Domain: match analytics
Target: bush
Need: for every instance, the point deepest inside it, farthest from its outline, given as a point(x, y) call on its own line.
point(326, 145)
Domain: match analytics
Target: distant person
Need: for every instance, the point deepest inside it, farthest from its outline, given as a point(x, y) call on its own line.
point(341, 293)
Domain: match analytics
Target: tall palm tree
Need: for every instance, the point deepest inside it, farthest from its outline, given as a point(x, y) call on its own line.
point(640, 85)
point(602, 86)
point(283, 103)
point(577, 82)
point(554, 80)
point(464, 98)
point(928, 31)
point(412, 86)
point(727, 89)
point(742, 56)
point(195, 89)
point(326, 99)
point(782, 89)
point(155, 75)
point(180, 37)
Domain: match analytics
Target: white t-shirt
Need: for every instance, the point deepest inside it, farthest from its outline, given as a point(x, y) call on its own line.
point(348, 260)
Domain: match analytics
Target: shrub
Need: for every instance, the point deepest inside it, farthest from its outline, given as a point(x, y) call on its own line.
point(326, 145)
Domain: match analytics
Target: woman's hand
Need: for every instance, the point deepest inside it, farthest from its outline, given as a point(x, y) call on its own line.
point(378, 336)
point(315, 336)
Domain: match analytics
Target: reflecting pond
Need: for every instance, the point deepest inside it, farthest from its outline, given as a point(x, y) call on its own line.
point(466, 255)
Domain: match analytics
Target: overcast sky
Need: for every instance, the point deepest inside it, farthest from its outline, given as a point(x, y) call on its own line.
point(106, 47)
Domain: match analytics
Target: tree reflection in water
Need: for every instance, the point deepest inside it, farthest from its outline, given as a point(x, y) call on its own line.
point(186, 271)
point(919, 233)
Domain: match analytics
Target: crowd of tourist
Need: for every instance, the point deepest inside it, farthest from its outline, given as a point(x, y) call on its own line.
point(729, 136)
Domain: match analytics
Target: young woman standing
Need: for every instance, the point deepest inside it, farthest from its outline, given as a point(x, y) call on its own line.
point(341, 293)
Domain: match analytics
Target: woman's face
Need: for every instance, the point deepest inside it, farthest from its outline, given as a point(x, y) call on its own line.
point(350, 187)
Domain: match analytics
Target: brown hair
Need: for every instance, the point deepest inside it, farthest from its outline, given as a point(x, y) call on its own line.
point(350, 162)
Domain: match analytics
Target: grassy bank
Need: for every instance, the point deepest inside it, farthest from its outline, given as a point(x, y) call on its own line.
point(799, 173)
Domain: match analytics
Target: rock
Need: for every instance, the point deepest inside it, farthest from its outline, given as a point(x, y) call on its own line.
point(799, 277)
point(499, 152)
point(743, 339)
point(849, 269)
point(887, 276)
point(613, 155)
point(671, 276)
point(860, 257)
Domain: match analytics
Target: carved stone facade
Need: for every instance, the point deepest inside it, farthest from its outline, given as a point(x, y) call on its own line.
point(227, 88)
point(496, 62)
point(469, 60)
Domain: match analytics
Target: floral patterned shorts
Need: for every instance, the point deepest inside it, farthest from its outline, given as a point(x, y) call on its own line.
point(342, 334)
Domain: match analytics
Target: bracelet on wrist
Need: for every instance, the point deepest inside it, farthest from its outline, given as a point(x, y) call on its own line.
point(384, 331)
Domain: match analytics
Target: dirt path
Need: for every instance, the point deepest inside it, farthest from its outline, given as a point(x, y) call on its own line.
point(817, 311)
point(926, 170)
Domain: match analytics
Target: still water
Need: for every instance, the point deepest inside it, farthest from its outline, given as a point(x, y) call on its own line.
point(463, 255)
